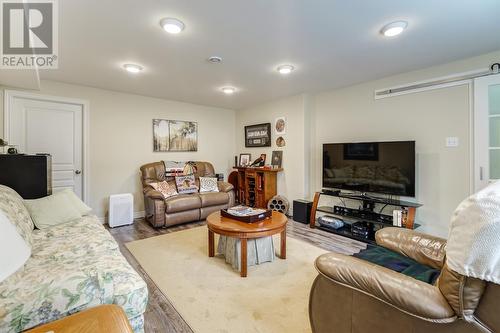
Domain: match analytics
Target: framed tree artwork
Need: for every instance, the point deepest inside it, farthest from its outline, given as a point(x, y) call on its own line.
point(174, 135)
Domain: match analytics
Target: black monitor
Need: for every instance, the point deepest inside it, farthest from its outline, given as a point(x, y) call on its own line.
point(376, 167)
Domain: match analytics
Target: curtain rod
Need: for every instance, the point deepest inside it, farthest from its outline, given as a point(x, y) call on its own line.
point(494, 69)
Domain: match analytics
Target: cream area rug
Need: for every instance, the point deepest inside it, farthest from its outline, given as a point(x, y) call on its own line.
point(212, 297)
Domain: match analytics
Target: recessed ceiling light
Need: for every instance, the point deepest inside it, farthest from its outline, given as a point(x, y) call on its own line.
point(132, 68)
point(394, 28)
point(228, 90)
point(215, 60)
point(172, 25)
point(285, 69)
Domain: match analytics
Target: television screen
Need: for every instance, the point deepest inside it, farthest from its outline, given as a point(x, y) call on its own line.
point(378, 167)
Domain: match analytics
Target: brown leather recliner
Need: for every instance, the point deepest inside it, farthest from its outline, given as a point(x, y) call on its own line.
point(161, 212)
point(353, 295)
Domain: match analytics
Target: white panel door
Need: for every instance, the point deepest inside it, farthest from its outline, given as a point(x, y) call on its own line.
point(41, 126)
point(486, 130)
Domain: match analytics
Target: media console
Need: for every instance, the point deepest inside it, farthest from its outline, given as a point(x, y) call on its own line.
point(364, 217)
point(256, 186)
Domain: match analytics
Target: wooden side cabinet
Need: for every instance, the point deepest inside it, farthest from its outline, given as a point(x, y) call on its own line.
point(256, 186)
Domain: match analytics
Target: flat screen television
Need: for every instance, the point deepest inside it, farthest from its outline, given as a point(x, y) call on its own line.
point(376, 167)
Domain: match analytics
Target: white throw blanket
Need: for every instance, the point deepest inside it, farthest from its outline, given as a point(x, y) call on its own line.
point(473, 247)
point(174, 168)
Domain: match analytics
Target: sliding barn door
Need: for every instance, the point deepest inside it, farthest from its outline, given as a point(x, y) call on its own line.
point(486, 130)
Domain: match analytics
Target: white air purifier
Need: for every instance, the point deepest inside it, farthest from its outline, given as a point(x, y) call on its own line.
point(121, 210)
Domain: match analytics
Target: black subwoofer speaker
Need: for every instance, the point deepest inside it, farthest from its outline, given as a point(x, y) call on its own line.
point(28, 175)
point(302, 210)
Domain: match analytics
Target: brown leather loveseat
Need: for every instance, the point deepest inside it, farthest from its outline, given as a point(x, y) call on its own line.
point(353, 295)
point(161, 212)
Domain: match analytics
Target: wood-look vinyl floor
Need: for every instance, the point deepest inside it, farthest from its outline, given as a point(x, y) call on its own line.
point(161, 316)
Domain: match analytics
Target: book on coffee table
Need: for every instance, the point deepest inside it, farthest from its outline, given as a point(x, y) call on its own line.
point(246, 214)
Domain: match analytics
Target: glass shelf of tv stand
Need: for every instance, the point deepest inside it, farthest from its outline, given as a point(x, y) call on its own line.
point(353, 219)
point(367, 198)
point(345, 231)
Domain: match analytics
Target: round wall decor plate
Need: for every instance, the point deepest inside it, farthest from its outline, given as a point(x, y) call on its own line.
point(280, 142)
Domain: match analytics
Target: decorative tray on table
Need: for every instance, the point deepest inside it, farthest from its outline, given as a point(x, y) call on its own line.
point(246, 214)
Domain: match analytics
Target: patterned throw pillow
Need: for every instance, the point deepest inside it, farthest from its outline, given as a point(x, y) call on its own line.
point(208, 184)
point(186, 184)
point(165, 188)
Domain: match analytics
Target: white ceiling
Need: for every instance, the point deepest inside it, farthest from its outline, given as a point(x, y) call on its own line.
point(332, 43)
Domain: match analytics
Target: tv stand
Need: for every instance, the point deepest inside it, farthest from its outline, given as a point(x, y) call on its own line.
point(364, 213)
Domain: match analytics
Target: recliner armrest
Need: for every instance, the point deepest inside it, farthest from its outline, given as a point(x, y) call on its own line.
point(154, 206)
point(151, 193)
point(425, 249)
point(225, 186)
point(411, 296)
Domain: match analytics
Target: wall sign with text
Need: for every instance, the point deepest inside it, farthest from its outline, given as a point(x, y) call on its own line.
point(258, 135)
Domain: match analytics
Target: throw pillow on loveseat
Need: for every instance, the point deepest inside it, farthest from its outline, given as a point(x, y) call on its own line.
point(186, 184)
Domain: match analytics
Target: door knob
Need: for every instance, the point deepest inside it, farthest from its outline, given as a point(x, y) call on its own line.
point(78, 172)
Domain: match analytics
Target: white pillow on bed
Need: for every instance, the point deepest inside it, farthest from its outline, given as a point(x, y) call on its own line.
point(13, 249)
point(76, 202)
point(52, 210)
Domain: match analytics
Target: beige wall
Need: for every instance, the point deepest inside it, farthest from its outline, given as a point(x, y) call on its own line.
point(293, 182)
point(120, 136)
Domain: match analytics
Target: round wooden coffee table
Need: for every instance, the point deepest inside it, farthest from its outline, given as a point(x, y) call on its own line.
point(233, 228)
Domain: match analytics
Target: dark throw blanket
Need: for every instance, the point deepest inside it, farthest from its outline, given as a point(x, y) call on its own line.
point(399, 263)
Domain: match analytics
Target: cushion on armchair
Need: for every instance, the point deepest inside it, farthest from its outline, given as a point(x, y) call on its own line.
point(181, 203)
point(213, 199)
point(423, 248)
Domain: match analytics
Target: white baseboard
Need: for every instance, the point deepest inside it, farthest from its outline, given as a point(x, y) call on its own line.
point(137, 215)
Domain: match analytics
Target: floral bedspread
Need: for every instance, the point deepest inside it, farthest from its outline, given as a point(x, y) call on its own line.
point(12, 205)
point(73, 266)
